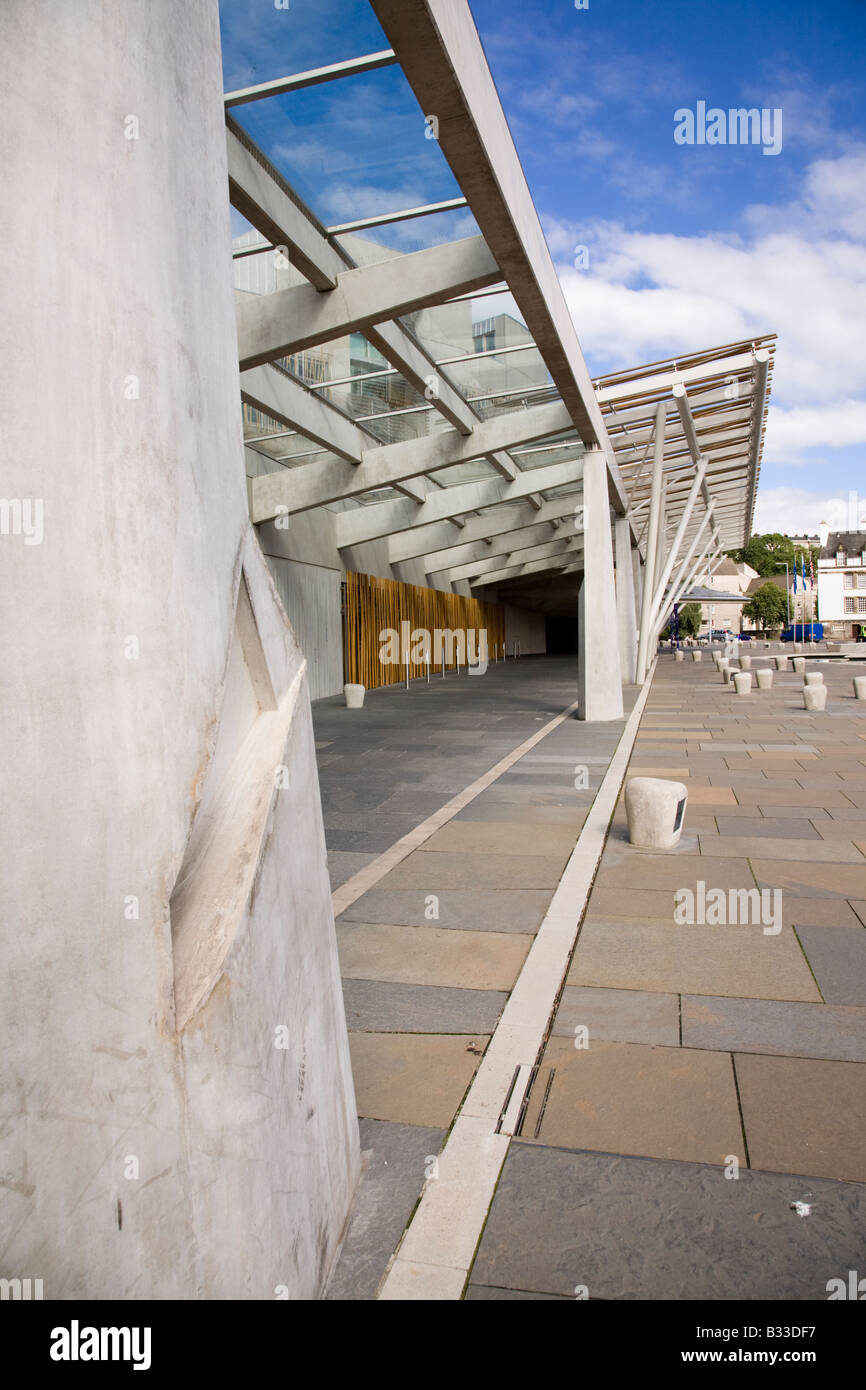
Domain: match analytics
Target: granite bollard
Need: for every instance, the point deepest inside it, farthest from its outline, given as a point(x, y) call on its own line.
point(655, 809)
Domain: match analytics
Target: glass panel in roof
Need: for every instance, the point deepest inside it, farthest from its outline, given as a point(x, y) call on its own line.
point(261, 43)
point(353, 148)
point(477, 470)
point(412, 234)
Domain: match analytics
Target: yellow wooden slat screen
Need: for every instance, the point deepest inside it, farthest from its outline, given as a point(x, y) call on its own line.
point(375, 606)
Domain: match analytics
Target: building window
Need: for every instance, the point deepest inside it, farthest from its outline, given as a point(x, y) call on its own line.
point(861, 604)
point(840, 557)
point(848, 581)
point(861, 581)
point(849, 605)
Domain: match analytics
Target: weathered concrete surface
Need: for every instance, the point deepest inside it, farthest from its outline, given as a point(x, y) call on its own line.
point(142, 1161)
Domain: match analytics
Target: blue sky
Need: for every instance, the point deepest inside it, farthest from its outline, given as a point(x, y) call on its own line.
point(688, 245)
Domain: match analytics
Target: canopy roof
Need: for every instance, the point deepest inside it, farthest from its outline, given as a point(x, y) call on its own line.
point(432, 390)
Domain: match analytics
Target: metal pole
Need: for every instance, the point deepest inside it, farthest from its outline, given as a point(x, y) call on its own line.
point(678, 537)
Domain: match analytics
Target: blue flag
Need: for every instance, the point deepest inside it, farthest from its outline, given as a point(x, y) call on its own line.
point(795, 575)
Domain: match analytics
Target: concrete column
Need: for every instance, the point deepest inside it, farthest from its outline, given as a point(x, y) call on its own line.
point(646, 634)
point(662, 540)
point(625, 605)
point(179, 1119)
point(637, 572)
point(599, 681)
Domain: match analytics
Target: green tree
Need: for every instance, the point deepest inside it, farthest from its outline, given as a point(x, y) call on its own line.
point(767, 607)
point(769, 554)
point(690, 619)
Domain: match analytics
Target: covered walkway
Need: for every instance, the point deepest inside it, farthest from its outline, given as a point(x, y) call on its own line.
point(693, 1082)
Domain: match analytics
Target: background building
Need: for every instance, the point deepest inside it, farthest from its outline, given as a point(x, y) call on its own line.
point(842, 584)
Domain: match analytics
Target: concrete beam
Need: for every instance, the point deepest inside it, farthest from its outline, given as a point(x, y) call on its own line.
point(301, 317)
point(261, 196)
point(287, 400)
point(513, 554)
point(299, 489)
point(441, 55)
point(258, 191)
point(448, 504)
point(561, 564)
point(438, 538)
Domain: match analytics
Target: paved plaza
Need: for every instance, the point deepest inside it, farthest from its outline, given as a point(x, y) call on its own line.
point(697, 1080)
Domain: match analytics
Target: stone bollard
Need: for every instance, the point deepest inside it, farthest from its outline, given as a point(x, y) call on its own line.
point(728, 673)
point(655, 809)
point(860, 687)
point(798, 647)
point(696, 655)
point(743, 682)
point(799, 663)
point(765, 679)
point(354, 696)
point(813, 678)
point(745, 663)
point(781, 663)
point(814, 696)
point(679, 656)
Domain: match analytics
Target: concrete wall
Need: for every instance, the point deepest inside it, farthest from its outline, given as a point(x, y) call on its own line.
point(527, 628)
point(179, 1114)
point(311, 596)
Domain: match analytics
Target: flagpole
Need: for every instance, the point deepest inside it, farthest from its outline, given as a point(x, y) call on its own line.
point(787, 594)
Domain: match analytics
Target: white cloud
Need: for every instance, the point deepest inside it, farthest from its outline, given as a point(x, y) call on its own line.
point(792, 433)
point(792, 510)
point(798, 271)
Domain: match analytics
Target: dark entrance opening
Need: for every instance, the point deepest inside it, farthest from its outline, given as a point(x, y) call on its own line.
point(560, 635)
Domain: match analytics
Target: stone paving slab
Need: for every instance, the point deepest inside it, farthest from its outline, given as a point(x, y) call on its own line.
point(803, 1115)
point(817, 851)
point(789, 796)
point(482, 810)
point(818, 912)
point(811, 880)
point(619, 1015)
point(632, 1228)
point(430, 955)
point(657, 904)
point(344, 864)
point(665, 1102)
point(838, 959)
point(778, 1027)
point(381, 1006)
point(766, 827)
point(434, 871)
point(395, 1159)
point(518, 910)
point(503, 837)
point(623, 867)
point(413, 1078)
point(739, 961)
